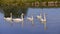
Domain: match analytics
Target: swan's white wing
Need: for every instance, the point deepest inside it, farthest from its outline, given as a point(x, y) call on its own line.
point(30, 19)
point(17, 20)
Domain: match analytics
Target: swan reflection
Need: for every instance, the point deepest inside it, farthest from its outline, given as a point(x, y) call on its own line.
point(45, 27)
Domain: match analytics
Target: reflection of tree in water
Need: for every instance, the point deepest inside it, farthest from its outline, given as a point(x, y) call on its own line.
point(15, 11)
point(13, 6)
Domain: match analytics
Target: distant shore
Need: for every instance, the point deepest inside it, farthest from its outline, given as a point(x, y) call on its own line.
point(31, 4)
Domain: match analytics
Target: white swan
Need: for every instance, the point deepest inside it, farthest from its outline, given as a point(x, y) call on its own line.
point(30, 19)
point(8, 18)
point(19, 19)
point(43, 19)
point(39, 17)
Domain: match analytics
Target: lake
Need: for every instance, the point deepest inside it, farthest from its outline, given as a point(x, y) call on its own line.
point(52, 24)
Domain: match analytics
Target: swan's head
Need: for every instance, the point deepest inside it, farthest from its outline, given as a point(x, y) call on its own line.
point(22, 14)
point(10, 13)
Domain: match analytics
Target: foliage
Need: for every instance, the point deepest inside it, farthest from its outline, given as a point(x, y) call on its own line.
point(14, 5)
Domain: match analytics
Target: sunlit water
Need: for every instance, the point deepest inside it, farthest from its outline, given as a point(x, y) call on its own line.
point(52, 24)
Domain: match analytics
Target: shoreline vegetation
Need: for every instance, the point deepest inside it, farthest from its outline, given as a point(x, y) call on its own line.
point(16, 5)
point(29, 3)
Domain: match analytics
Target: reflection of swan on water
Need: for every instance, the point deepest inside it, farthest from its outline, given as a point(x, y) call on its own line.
point(45, 27)
point(30, 19)
point(19, 19)
point(8, 18)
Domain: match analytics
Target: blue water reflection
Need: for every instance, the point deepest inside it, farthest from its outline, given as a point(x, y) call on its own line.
point(53, 23)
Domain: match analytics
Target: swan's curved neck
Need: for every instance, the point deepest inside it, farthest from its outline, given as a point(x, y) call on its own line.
point(11, 15)
point(32, 16)
point(44, 16)
point(41, 15)
point(22, 16)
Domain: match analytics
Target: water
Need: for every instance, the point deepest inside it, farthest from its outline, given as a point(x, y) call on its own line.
point(52, 24)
